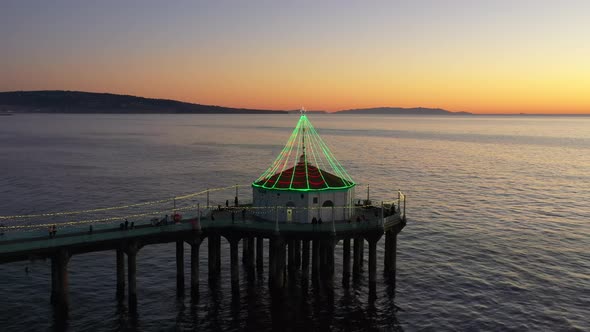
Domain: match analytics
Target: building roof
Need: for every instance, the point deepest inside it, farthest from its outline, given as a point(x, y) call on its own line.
point(305, 164)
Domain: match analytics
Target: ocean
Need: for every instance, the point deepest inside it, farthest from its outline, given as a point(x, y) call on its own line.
point(497, 239)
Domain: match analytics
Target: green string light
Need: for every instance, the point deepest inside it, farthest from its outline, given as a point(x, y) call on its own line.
point(304, 142)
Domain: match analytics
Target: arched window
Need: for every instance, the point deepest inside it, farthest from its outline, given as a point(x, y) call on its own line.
point(328, 203)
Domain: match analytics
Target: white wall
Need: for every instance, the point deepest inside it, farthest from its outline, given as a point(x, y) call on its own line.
point(272, 198)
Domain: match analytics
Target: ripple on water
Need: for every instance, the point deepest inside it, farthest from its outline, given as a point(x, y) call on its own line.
point(497, 237)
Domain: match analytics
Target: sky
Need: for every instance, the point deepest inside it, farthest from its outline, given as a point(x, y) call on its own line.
point(499, 56)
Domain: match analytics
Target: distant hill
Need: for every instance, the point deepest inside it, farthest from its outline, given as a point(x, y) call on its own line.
point(402, 111)
point(89, 102)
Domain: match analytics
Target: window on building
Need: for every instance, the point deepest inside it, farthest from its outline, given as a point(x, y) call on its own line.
point(315, 200)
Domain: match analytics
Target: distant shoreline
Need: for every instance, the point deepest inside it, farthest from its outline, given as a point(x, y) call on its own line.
point(318, 113)
point(79, 102)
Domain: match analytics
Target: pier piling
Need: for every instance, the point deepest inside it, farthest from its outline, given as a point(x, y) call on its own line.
point(373, 260)
point(362, 253)
point(120, 274)
point(271, 262)
point(356, 257)
point(195, 244)
point(304, 262)
point(234, 263)
point(390, 255)
point(59, 280)
point(260, 253)
point(291, 257)
point(54, 280)
point(132, 250)
point(245, 251)
point(278, 263)
point(251, 254)
point(315, 260)
point(330, 245)
point(179, 267)
point(214, 243)
point(346, 262)
point(297, 257)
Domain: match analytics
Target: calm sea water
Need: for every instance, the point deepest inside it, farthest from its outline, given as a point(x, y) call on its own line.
point(498, 236)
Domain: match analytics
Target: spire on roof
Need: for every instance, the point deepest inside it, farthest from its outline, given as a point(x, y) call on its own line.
point(305, 163)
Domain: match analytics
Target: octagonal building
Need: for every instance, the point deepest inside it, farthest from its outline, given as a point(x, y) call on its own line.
point(304, 182)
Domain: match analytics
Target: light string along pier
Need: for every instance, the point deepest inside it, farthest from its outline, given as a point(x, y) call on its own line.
point(186, 203)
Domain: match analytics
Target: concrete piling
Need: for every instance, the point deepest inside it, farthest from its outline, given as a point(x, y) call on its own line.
point(179, 267)
point(59, 280)
point(54, 280)
point(356, 257)
point(289, 255)
point(346, 262)
point(372, 261)
point(330, 245)
point(271, 262)
point(390, 255)
point(195, 244)
point(305, 260)
point(214, 246)
point(245, 251)
point(132, 276)
point(315, 260)
point(120, 274)
point(278, 263)
point(251, 254)
point(297, 257)
point(362, 253)
point(260, 253)
point(234, 263)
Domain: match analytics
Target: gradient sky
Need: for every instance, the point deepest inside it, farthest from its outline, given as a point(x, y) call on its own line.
point(476, 56)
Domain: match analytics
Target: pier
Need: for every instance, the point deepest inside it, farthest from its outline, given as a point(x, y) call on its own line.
point(302, 249)
point(303, 206)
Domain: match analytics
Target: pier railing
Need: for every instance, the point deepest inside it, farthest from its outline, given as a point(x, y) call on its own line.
point(200, 204)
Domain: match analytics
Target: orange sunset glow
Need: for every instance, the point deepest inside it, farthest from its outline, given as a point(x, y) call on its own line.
point(505, 57)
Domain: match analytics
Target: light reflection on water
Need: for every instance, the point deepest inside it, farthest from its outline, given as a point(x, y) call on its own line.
point(497, 236)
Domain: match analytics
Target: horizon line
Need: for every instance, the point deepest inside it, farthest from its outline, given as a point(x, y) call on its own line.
point(466, 113)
